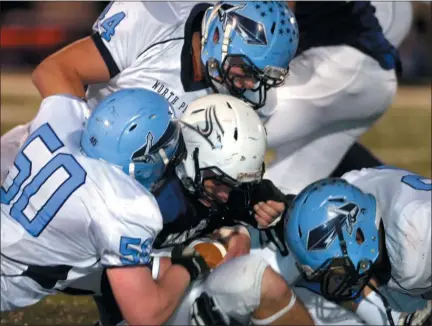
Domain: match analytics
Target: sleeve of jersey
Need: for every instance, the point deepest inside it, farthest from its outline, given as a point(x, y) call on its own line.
point(58, 109)
point(411, 245)
point(125, 236)
point(122, 32)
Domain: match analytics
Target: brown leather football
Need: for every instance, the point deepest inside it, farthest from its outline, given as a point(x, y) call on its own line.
point(212, 251)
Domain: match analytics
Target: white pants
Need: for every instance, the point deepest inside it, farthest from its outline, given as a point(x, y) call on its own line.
point(235, 285)
point(330, 98)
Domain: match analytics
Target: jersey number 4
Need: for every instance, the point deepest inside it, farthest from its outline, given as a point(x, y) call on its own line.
point(62, 174)
point(110, 23)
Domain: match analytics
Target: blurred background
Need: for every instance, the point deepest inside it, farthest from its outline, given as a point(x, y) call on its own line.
point(31, 30)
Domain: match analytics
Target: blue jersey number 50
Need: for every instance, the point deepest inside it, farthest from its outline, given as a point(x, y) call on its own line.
point(65, 188)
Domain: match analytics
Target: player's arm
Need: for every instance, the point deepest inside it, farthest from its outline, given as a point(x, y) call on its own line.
point(120, 34)
point(368, 306)
point(70, 69)
point(375, 310)
point(124, 240)
point(144, 301)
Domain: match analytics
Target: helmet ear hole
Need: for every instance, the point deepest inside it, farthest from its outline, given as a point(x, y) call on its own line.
point(360, 236)
point(216, 36)
point(273, 28)
point(132, 127)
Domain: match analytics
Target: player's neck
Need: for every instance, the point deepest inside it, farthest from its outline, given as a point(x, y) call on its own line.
point(196, 57)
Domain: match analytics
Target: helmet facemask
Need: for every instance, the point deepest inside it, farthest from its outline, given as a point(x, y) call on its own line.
point(338, 277)
point(220, 182)
point(340, 280)
point(242, 79)
point(227, 68)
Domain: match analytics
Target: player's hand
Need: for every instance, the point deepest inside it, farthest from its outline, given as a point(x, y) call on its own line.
point(239, 244)
point(268, 213)
point(191, 260)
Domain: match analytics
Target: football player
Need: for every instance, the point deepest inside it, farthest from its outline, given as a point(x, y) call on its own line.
point(225, 145)
point(395, 18)
point(365, 240)
point(76, 201)
point(301, 126)
point(315, 117)
point(329, 99)
point(179, 49)
point(136, 51)
point(341, 81)
point(348, 32)
point(182, 50)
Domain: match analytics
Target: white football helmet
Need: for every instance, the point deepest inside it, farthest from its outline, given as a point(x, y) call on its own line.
point(224, 136)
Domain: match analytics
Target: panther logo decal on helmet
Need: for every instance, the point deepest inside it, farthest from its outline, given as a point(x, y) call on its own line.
point(141, 155)
point(250, 31)
point(322, 236)
point(211, 120)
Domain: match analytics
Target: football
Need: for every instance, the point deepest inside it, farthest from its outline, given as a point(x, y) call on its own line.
point(212, 251)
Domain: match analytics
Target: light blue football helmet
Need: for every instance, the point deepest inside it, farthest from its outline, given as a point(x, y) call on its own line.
point(132, 129)
point(261, 37)
point(332, 231)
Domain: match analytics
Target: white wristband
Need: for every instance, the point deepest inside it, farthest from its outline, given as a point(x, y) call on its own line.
point(277, 315)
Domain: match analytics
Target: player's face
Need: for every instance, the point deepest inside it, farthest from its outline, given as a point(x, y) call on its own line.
point(239, 74)
point(217, 190)
point(214, 188)
point(240, 79)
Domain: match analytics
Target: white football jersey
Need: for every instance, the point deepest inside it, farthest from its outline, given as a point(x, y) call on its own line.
point(404, 201)
point(64, 215)
point(148, 45)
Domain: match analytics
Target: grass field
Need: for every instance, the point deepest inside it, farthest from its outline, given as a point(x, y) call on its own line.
point(402, 137)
